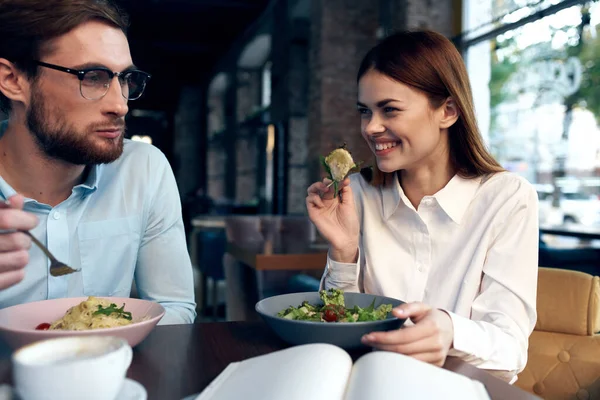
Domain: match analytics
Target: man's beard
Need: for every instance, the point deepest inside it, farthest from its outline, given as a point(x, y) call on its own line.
point(59, 141)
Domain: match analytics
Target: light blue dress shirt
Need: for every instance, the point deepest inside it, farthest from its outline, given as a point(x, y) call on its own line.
point(123, 223)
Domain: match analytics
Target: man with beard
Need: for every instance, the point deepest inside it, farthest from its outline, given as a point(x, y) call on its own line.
point(102, 204)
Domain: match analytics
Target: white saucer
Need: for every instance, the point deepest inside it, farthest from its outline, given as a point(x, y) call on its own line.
point(132, 390)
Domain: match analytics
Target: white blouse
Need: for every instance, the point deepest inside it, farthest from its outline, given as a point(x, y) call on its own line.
point(471, 250)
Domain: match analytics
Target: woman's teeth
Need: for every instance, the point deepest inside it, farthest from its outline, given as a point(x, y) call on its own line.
point(384, 146)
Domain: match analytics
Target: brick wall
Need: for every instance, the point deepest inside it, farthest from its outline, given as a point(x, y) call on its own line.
point(430, 14)
point(248, 102)
point(248, 93)
point(246, 179)
point(298, 179)
point(188, 130)
point(216, 159)
point(342, 31)
point(289, 108)
point(315, 62)
point(215, 110)
point(298, 79)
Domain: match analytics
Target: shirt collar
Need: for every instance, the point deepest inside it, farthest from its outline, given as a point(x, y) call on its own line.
point(91, 181)
point(6, 191)
point(392, 195)
point(454, 198)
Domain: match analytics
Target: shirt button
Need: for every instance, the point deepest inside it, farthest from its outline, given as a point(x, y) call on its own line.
point(56, 215)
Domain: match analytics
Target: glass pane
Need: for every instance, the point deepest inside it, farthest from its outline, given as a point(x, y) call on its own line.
point(537, 95)
point(482, 16)
point(266, 85)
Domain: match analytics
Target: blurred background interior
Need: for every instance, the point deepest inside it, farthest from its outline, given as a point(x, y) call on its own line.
point(246, 94)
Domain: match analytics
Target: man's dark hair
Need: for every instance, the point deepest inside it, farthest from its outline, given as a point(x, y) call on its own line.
point(26, 27)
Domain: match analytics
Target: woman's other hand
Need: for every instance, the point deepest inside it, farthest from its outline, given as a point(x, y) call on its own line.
point(429, 339)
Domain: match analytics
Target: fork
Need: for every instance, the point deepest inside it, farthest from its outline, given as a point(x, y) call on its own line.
point(57, 268)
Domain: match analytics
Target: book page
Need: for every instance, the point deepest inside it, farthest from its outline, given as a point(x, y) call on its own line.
point(385, 375)
point(314, 371)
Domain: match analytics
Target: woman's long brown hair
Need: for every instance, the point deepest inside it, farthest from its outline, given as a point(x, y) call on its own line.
point(430, 63)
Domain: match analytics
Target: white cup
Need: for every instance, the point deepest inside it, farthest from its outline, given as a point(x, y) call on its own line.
point(72, 368)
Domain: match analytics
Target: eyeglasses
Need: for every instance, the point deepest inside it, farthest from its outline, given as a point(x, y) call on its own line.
point(95, 82)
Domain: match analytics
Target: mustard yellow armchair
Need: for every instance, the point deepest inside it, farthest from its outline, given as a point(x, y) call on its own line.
point(564, 348)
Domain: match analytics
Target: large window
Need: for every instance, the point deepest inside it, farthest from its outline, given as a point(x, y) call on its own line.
point(535, 71)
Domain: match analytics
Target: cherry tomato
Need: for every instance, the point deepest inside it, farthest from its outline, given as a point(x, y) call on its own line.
point(330, 316)
point(44, 326)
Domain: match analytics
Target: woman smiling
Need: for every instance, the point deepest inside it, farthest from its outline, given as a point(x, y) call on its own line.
point(440, 224)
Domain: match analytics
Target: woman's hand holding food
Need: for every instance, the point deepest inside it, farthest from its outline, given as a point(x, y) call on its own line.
point(14, 246)
point(335, 218)
point(429, 339)
point(331, 208)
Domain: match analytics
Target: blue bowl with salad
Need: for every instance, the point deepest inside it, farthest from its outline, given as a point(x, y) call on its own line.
point(331, 316)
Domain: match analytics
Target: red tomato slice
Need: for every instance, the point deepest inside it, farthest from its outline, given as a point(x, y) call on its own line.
point(44, 326)
point(330, 316)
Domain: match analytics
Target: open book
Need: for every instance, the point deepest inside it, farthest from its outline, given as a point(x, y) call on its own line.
point(323, 371)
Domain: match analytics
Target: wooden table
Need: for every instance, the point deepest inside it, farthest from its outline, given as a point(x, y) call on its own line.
point(180, 360)
point(256, 264)
point(272, 242)
point(270, 255)
point(279, 243)
point(262, 254)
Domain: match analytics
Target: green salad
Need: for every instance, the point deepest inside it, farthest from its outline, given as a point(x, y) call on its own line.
point(333, 309)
